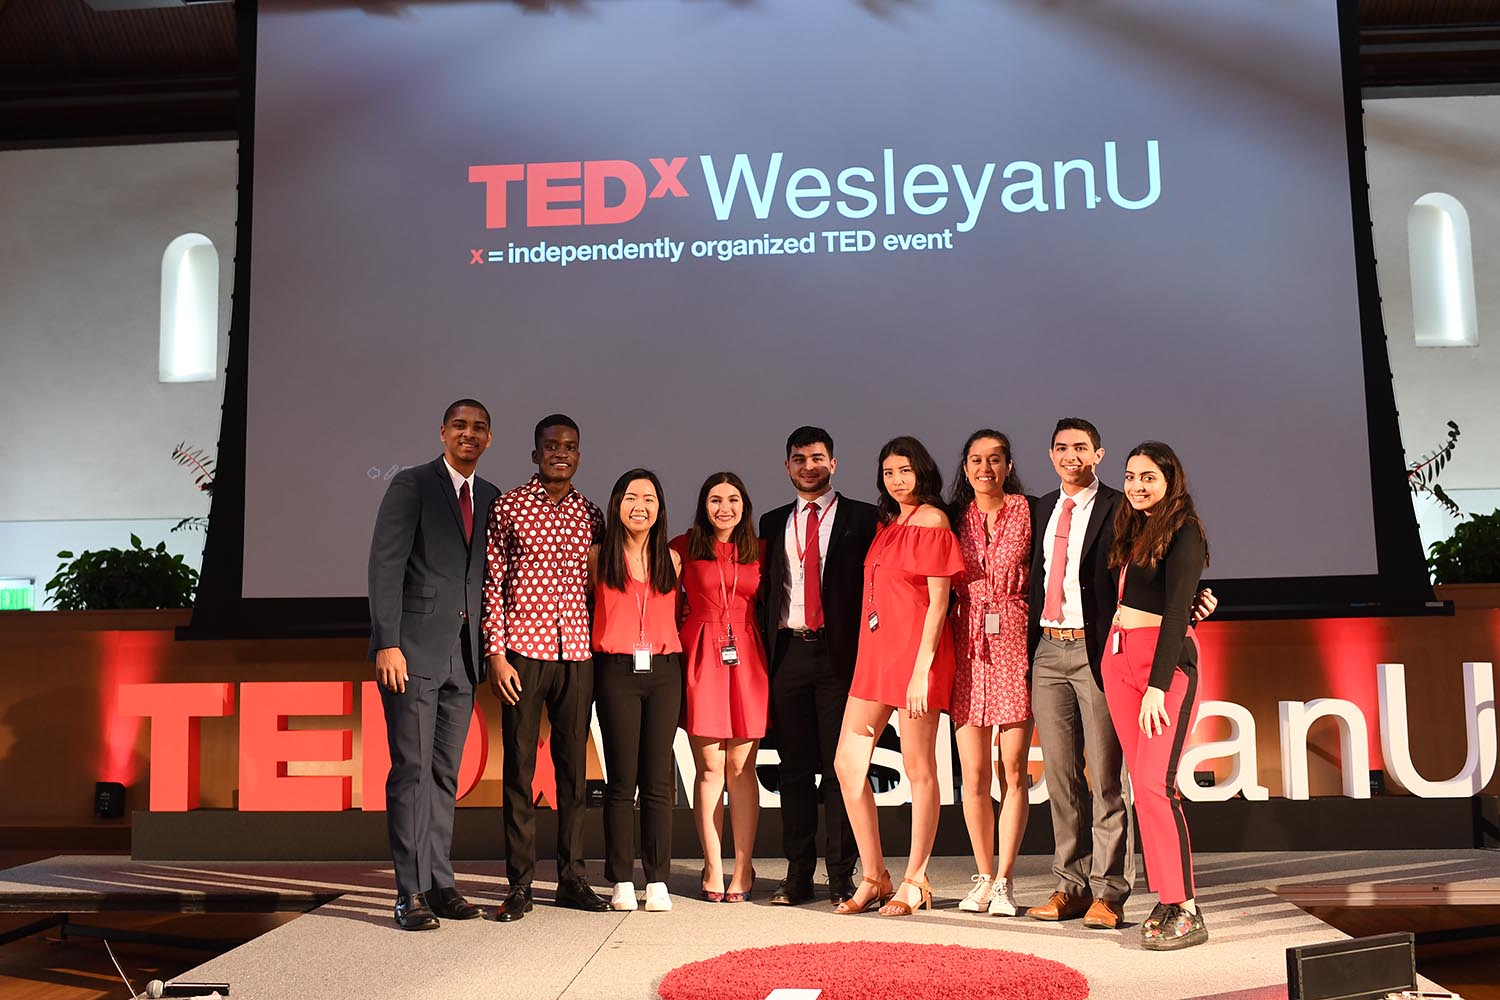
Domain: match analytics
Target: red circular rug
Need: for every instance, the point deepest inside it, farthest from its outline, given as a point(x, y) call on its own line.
point(870, 970)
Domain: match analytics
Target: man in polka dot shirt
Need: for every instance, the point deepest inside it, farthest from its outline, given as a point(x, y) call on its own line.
point(536, 635)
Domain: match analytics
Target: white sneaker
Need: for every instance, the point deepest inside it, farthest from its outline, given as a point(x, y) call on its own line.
point(658, 900)
point(1002, 899)
point(623, 898)
point(978, 897)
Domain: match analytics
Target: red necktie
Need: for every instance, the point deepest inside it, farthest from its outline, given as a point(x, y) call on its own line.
point(812, 573)
point(1052, 610)
point(466, 511)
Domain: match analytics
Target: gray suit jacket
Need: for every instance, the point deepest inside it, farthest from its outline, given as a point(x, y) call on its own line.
point(425, 582)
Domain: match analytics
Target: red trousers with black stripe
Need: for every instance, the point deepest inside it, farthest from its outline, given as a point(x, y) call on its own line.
point(1152, 760)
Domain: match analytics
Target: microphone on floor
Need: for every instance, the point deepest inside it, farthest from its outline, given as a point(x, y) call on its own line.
point(157, 989)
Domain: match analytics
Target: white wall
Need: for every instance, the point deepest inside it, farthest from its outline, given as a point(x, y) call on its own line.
point(89, 429)
point(82, 231)
point(1452, 145)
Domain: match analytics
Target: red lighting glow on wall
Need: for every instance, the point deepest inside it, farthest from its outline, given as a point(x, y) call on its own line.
point(133, 657)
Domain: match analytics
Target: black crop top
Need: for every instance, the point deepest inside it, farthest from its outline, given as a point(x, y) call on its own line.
point(1168, 590)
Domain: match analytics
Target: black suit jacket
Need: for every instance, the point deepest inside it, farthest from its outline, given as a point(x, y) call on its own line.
point(853, 530)
point(1097, 583)
point(425, 581)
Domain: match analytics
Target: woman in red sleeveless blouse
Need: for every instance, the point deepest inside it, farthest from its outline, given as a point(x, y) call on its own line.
point(905, 664)
point(728, 687)
point(637, 683)
point(993, 520)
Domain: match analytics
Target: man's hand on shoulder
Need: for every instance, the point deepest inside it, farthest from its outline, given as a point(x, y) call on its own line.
point(390, 669)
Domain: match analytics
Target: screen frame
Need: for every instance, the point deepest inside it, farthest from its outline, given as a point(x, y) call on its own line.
point(1400, 586)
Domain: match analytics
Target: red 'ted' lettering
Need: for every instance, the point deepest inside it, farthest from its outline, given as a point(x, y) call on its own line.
point(595, 173)
point(175, 711)
point(376, 751)
point(496, 178)
point(267, 745)
point(541, 194)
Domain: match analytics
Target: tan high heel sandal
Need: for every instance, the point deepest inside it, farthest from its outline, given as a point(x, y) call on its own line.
point(899, 908)
point(883, 893)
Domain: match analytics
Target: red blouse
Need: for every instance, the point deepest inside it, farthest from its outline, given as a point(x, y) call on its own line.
point(622, 617)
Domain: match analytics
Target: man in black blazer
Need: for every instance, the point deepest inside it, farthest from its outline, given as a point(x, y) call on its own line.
point(1072, 601)
point(426, 576)
point(811, 629)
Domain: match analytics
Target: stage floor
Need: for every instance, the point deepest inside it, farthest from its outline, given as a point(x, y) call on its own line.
point(346, 946)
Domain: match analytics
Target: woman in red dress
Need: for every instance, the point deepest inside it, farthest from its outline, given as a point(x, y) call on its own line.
point(993, 520)
point(728, 686)
point(905, 664)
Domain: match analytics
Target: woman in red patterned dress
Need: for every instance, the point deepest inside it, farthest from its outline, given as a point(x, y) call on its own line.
point(993, 520)
point(728, 687)
point(905, 664)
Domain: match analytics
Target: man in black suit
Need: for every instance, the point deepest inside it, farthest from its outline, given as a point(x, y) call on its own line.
point(425, 579)
point(811, 624)
point(1073, 598)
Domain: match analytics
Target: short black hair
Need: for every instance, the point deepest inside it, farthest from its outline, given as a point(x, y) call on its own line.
point(1077, 424)
point(551, 420)
point(805, 436)
point(459, 404)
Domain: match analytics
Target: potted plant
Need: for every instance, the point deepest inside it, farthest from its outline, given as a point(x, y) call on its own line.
point(1471, 554)
point(136, 577)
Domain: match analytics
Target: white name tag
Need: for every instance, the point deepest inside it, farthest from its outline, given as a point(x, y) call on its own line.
point(992, 623)
point(1115, 642)
point(642, 659)
point(729, 655)
point(874, 621)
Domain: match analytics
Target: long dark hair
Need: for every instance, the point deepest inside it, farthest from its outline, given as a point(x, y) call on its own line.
point(1144, 540)
point(961, 494)
point(929, 480)
point(701, 535)
point(612, 550)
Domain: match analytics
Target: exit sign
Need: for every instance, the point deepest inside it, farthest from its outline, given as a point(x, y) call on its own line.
point(17, 593)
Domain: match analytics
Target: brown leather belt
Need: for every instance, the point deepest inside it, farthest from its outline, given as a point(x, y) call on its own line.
point(1063, 634)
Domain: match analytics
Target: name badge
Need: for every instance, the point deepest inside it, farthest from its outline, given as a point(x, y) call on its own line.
point(729, 655)
point(1115, 642)
point(874, 621)
point(992, 623)
point(642, 663)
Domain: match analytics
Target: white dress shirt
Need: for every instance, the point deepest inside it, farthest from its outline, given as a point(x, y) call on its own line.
point(1072, 602)
point(458, 480)
point(796, 529)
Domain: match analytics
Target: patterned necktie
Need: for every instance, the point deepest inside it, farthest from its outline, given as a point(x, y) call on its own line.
point(1052, 610)
point(466, 511)
point(812, 573)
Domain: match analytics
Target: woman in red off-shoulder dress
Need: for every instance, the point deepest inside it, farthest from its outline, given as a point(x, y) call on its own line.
point(905, 664)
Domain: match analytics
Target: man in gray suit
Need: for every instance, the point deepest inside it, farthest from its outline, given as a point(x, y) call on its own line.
point(426, 580)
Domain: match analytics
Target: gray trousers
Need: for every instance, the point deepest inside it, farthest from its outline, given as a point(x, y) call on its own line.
point(425, 727)
point(1093, 853)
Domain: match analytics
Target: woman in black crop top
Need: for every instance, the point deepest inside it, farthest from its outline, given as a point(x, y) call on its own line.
point(1151, 674)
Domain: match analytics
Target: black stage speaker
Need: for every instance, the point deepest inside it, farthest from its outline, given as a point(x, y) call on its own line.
point(1359, 969)
point(109, 799)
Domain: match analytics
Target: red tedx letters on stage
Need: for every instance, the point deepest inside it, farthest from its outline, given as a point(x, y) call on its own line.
point(376, 752)
point(267, 745)
point(175, 711)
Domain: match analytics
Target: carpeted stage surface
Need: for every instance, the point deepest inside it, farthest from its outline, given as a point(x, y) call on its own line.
point(347, 947)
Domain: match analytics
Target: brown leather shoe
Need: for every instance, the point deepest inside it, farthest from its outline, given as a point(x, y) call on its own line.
point(1104, 915)
point(1060, 906)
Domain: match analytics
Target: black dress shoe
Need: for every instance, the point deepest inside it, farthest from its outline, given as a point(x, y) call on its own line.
point(576, 894)
point(413, 913)
point(448, 904)
point(516, 905)
point(792, 893)
point(840, 888)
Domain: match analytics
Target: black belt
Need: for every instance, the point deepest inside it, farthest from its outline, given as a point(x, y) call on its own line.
point(807, 634)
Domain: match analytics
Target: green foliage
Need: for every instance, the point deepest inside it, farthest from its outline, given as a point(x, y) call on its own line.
point(201, 465)
point(136, 577)
point(1422, 475)
point(1472, 555)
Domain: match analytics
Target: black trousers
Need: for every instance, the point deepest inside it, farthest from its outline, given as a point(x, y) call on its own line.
point(425, 727)
point(638, 715)
point(807, 708)
point(566, 689)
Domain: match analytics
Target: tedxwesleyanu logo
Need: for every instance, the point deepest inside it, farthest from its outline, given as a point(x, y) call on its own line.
point(612, 192)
